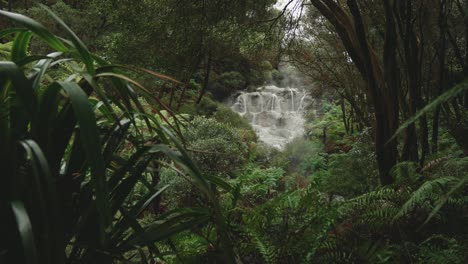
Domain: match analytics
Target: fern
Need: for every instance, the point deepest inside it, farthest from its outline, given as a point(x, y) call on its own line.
point(268, 251)
point(427, 191)
point(433, 164)
point(445, 97)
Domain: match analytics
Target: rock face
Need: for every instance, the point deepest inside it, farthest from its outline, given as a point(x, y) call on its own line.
point(276, 114)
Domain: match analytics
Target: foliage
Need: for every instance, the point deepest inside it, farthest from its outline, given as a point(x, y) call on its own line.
point(226, 116)
point(330, 123)
point(69, 171)
point(180, 192)
point(259, 184)
point(288, 227)
point(303, 157)
point(98, 166)
point(351, 173)
point(217, 148)
point(85, 23)
point(225, 84)
point(441, 249)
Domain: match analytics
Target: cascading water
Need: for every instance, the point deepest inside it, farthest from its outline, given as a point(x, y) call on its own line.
point(276, 114)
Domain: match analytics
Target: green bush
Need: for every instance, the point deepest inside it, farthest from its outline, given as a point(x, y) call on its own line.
point(225, 115)
point(207, 107)
point(330, 121)
point(227, 83)
point(288, 228)
point(442, 249)
point(301, 156)
point(259, 184)
point(277, 77)
point(180, 192)
point(352, 173)
point(79, 20)
point(218, 148)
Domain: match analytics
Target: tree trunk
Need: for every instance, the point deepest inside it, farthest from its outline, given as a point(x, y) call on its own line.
point(383, 90)
point(343, 112)
point(182, 95)
point(383, 96)
point(441, 72)
point(171, 98)
point(206, 80)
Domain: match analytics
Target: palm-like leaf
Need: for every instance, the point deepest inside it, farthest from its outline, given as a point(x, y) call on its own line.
point(73, 135)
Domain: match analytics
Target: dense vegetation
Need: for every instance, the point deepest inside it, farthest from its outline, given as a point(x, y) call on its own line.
point(115, 146)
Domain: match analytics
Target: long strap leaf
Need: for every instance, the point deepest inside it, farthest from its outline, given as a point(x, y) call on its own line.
point(89, 134)
point(25, 230)
point(37, 29)
point(79, 45)
point(21, 85)
point(20, 46)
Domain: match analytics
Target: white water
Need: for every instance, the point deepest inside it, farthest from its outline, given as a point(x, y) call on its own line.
point(276, 114)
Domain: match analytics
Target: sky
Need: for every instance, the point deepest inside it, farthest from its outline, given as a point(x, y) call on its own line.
point(280, 4)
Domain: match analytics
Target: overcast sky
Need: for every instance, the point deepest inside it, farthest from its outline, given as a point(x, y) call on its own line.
point(294, 5)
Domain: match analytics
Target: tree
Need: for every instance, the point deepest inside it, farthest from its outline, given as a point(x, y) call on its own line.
point(395, 59)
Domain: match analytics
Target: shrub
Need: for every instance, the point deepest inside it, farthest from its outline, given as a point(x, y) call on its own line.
point(218, 148)
point(302, 156)
point(225, 115)
point(180, 192)
point(226, 83)
point(352, 173)
point(259, 184)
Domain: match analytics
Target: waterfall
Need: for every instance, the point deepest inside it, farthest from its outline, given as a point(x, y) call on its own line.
point(276, 114)
point(292, 99)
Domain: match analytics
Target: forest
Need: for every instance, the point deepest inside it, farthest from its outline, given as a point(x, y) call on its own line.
point(220, 131)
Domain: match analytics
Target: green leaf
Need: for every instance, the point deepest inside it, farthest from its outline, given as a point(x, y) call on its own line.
point(444, 199)
point(20, 46)
point(169, 224)
point(89, 135)
point(21, 85)
point(79, 45)
point(25, 231)
point(42, 67)
point(147, 202)
point(423, 193)
point(51, 235)
point(37, 29)
point(9, 31)
point(456, 90)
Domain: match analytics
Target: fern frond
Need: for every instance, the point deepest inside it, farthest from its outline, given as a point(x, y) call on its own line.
point(431, 165)
point(267, 251)
point(429, 190)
